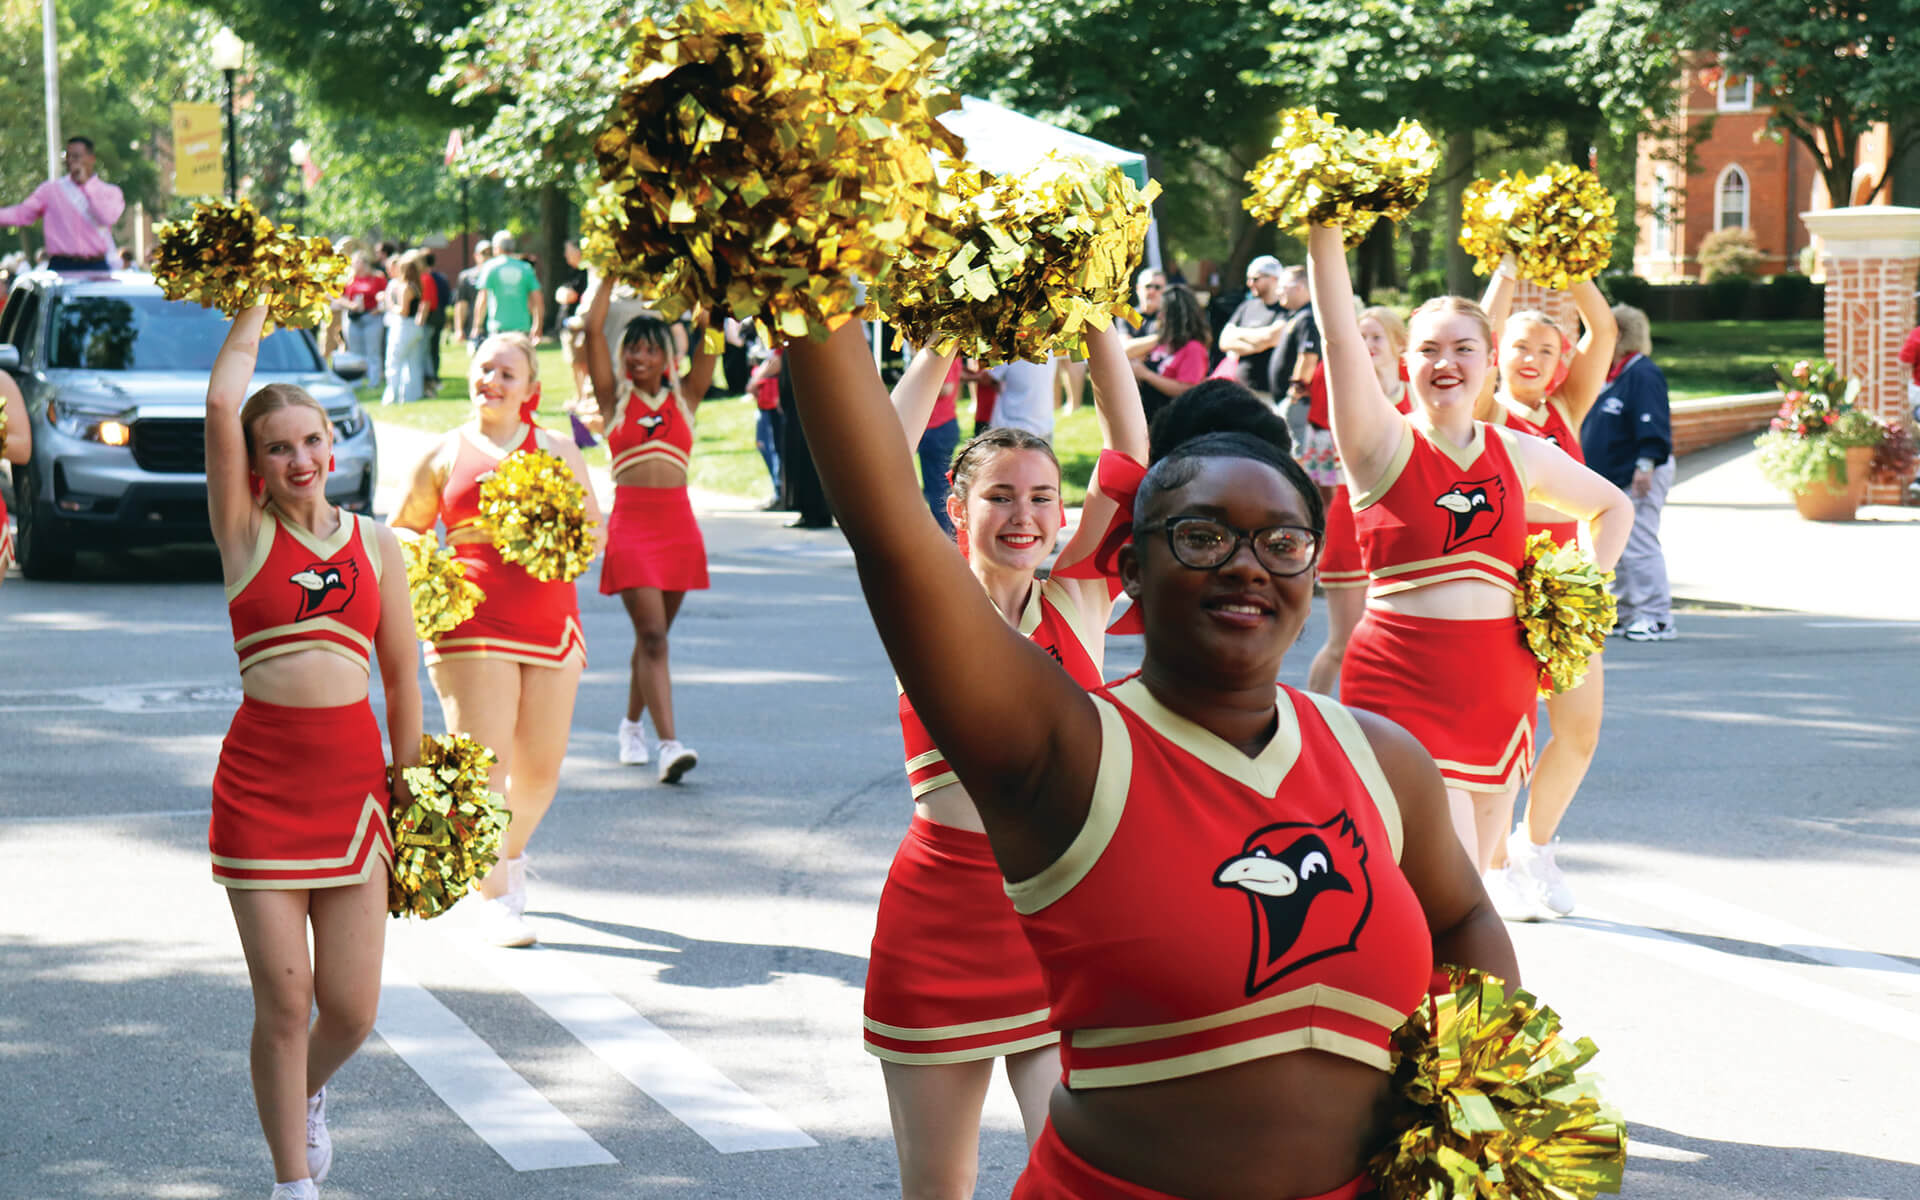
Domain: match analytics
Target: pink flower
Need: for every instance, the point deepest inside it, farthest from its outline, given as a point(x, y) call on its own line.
point(1801, 369)
point(1832, 417)
point(1777, 425)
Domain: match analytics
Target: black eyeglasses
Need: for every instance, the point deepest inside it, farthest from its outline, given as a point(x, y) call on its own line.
point(1205, 544)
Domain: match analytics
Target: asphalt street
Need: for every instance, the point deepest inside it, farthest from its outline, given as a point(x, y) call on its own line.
point(1746, 853)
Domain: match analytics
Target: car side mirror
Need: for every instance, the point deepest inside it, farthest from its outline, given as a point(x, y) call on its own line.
point(348, 365)
point(10, 358)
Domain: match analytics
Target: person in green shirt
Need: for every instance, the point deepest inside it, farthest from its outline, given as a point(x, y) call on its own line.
point(509, 299)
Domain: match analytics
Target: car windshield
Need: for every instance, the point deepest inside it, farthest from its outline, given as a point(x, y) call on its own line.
point(151, 333)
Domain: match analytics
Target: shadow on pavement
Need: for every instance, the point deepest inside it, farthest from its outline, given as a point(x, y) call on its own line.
point(697, 962)
point(1745, 1172)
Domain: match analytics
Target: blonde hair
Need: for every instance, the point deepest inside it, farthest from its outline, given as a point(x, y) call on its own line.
point(1455, 305)
point(508, 337)
point(271, 399)
point(1391, 325)
point(1635, 336)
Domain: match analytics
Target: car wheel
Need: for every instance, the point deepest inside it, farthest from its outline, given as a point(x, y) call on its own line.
point(44, 545)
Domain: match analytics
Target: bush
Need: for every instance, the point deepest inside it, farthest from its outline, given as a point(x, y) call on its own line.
point(1727, 253)
point(1727, 297)
point(1789, 294)
point(1626, 289)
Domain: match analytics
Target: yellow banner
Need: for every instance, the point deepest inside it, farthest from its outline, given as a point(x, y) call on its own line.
point(197, 169)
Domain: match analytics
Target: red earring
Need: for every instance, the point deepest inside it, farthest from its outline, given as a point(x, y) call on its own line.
point(333, 464)
point(255, 484)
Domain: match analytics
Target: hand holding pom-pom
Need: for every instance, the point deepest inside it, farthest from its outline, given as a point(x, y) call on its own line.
point(1566, 610)
point(443, 597)
point(447, 826)
point(1043, 255)
point(229, 257)
point(1558, 224)
point(1323, 173)
point(537, 513)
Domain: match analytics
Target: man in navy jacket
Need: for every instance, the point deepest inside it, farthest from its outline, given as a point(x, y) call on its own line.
point(1628, 437)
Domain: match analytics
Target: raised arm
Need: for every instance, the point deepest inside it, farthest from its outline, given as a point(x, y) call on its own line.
point(1557, 481)
point(918, 391)
point(1595, 355)
point(1123, 431)
point(229, 498)
point(699, 376)
point(1366, 428)
point(599, 358)
point(1498, 301)
point(1029, 766)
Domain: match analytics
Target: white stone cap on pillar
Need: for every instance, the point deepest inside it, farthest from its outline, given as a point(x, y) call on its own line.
point(1866, 231)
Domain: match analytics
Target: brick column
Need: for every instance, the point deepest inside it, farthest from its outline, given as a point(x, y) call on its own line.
point(1558, 305)
point(1871, 257)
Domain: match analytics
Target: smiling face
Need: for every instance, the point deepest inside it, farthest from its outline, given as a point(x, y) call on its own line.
point(1373, 336)
point(292, 453)
point(500, 378)
point(1011, 513)
point(644, 361)
point(1447, 359)
point(1529, 354)
point(1228, 626)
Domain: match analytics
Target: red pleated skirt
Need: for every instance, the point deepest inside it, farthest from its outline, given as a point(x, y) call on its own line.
point(1055, 1172)
point(1464, 689)
point(653, 541)
point(300, 798)
point(951, 977)
point(522, 618)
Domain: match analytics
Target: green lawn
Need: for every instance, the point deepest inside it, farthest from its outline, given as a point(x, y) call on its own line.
point(1717, 358)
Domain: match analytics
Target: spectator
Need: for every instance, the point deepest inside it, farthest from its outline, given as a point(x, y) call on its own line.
point(509, 298)
point(986, 395)
point(1910, 354)
point(439, 299)
point(1149, 289)
point(1178, 359)
point(733, 359)
point(406, 318)
point(77, 212)
point(764, 385)
point(1628, 438)
point(466, 293)
point(1026, 397)
point(802, 492)
point(937, 444)
point(366, 315)
point(1298, 352)
point(570, 326)
point(1256, 326)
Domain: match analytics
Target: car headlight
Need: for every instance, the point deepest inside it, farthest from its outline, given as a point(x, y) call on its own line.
point(89, 424)
point(351, 423)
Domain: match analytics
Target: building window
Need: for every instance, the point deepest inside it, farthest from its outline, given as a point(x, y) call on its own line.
point(1662, 214)
point(1730, 199)
point(1736, 93)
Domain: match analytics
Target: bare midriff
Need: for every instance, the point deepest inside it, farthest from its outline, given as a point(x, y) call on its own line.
point(1450, 600)
point(306, 679)
point(950, 805)
point(656, 473)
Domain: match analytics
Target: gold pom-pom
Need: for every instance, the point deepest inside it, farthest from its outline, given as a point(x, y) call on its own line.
point(1566, 609)
point(1042, 256)
point(1323, 173)
point(229, 257)
point(443, 597)
point(449, 833)
point(1495, 1104)
point(1558, 224)
point(764, 155)
point(537, 513)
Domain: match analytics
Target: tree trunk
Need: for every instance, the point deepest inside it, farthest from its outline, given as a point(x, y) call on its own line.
point(554, 216)
point(1376, 259)
point(1458, 168)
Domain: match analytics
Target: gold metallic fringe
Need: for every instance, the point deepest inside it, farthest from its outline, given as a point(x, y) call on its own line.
point(536, 510)
point(1323, 173)
point(1558, 224)
point(1566, 609)
point(228, 257)
point(450, 832)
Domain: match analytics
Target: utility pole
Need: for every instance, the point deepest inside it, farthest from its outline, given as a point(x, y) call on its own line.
point(50, 54)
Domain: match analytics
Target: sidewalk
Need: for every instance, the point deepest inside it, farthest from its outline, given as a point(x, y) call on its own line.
point(1732, 539)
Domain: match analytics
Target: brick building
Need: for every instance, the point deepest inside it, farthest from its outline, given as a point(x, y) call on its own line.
point(1741, 178)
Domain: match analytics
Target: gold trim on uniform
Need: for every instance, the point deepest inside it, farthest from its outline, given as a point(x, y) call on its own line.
point(1507, 437)
point(573, 642)
point(1353, 739)
point(1263, 772)
point(943, 1057)
point(937, 1033)
point(1227, 1056)
point(648, 452)
point(1461, 456)
point(471, 432)
point(262, 547)
point(1341, 580)
point(1502, 768)
point(1314, 995)
point(372, 817)
point(1103, 818)
point(1402, 454)
point(934, 783)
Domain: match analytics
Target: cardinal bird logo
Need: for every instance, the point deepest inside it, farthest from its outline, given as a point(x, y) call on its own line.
point(1475, 509)
point(1308, 891)
point(326, 588)
point(650, 426)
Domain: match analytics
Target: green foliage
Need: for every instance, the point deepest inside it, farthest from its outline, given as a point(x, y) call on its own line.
point(1789, 294)
point(1626, 289)
point(1727, 297)
point(1727, 253)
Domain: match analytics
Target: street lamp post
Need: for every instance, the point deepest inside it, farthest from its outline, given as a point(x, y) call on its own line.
point(229, 52)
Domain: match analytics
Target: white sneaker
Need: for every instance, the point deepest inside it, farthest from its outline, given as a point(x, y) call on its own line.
point(1644, 630)
point(633, 743)
point(675, 760)
point(516, 897)
point(1532, 869)
point(299, 1189)
point(319, 1141)
point(496, 923)
point(1508, 900)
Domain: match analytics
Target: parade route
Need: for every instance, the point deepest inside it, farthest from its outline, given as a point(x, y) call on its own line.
point(1744, 954)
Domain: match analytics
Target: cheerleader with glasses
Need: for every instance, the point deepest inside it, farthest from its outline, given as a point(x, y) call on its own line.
point(299, 833)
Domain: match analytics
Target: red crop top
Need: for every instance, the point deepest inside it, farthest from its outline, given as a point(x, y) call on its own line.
point(1053, 621)
point(1441, 513)
point(1217, 909)
point(302, 592)
point(646, 427)
point(1549, 422)
point(474, 458)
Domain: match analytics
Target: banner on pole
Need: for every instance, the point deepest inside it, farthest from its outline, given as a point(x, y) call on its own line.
point(197, 169)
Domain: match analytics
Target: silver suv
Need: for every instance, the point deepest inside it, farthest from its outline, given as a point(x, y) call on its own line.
point(115, 380)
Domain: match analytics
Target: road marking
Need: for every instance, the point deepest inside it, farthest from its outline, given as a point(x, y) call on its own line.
point(1863, 624)
point(73, 818)
point(522, 1126)
point(681, 1082)
point(1640, 1148)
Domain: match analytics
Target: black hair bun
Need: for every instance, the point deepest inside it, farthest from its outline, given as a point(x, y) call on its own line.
point(1215, 406)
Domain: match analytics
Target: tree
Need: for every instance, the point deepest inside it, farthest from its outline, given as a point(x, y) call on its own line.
point(1832, 70)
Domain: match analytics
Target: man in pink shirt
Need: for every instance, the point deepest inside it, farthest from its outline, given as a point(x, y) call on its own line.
point(77, 210)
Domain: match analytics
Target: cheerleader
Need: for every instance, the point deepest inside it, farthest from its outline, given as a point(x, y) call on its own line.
point(1215, 1042)
point(951, 983)
point(299, 833)
point(655, 554)
point(507, 676)
point(1438, 501)
point(1547, 394)
point(1342, 577)
point(16, 447)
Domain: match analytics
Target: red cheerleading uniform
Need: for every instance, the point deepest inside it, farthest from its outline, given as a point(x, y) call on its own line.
point(950, 977)
point(1465, 689)
point(6, 539)
point(1219, 908)
point(1549, 421)
point(1340, 565)
point(522, 618)
point(300, 797)
point(653, 540)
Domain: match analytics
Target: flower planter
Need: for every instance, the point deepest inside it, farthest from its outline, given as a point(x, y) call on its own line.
point(1827, 502)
